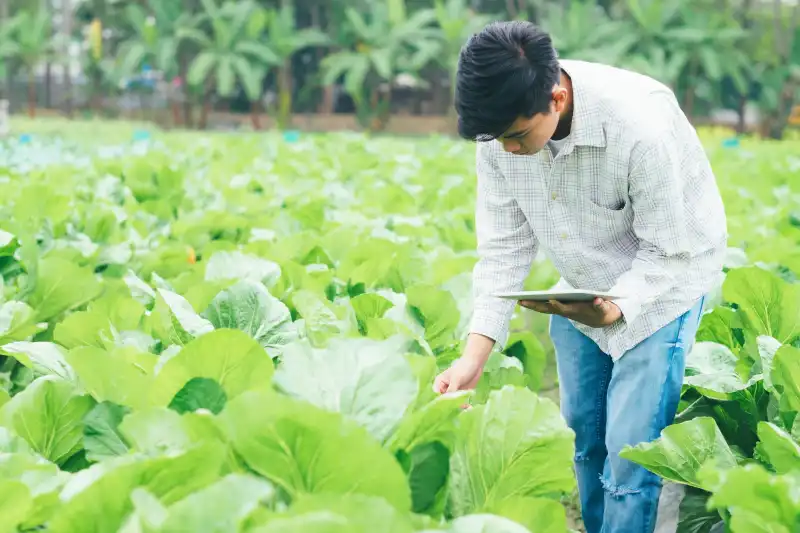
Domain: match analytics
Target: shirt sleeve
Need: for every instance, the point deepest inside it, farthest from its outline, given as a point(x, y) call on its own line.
point(660, 222)
point(506, 249)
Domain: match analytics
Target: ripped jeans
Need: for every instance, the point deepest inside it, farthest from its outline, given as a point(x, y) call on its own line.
point(611, 404)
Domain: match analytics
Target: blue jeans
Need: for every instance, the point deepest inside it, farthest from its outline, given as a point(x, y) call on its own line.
point(612, 404)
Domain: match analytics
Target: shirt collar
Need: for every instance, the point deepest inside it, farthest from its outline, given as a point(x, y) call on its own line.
point(587, 121)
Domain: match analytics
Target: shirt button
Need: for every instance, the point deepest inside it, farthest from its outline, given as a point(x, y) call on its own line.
point(554, 196)
point(564, 236)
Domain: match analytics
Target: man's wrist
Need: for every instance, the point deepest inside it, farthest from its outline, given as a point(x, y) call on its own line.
point(478, 348)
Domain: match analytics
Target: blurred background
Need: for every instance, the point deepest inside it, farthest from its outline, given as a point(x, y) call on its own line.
point(120, 178)
point(377, 65)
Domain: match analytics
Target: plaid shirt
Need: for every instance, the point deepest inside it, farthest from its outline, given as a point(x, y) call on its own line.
point(629, 206)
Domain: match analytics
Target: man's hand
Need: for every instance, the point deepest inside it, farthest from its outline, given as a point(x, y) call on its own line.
point(463, 374)
point(596, 314)
point(466, 371)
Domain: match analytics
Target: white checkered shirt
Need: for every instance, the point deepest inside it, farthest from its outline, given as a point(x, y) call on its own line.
point(629, 206)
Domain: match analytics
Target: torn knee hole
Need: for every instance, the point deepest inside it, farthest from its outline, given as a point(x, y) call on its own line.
point(617, 490)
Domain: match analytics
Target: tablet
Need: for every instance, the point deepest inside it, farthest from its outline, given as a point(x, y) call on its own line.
point(563, 295)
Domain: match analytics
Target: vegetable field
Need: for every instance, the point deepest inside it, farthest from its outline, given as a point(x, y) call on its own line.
point(220, 333)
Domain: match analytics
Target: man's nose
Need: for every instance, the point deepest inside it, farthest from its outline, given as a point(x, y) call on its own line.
point(511, 145)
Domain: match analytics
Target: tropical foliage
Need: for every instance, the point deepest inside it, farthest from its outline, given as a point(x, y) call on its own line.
point(268, 55)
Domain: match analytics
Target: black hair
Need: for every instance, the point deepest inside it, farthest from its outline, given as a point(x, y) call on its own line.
point(505, 71)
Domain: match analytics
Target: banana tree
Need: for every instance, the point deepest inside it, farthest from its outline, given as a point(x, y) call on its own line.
point(153, 40)
point(8, 47)
point(457, 22)
point(653, 24)
point(659, 64)
point(583, 30)
point(233, 52)
point(29, 42)
point(385, 44)
point(98, 65)
point(283, 40)
point(711, 42)
point(780, 76)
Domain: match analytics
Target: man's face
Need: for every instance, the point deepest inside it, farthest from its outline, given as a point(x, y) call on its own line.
point(527, 136)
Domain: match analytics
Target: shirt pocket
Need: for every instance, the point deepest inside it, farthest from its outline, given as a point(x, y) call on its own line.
point(602, 227)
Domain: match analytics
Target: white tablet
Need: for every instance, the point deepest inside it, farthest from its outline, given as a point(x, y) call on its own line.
point(564, 295)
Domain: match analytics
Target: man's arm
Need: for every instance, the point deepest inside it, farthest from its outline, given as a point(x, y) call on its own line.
point(506, 249)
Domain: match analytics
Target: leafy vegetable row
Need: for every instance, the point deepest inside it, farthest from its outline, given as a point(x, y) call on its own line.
point(735, 444)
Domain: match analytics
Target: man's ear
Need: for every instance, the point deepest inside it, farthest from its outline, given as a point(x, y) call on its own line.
point(559, 98)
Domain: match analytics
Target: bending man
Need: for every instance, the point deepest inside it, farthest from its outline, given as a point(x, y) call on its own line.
point(599, 169)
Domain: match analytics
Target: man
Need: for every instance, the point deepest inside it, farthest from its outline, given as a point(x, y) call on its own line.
point(598, 168)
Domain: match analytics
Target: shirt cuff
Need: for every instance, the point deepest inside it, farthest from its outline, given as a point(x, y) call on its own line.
point(630, 307)
point(492, 326)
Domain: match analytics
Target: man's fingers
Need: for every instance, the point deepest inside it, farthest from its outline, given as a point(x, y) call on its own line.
point(441, 383)
point(561, 309)
point(539, 307)
point(454, 385)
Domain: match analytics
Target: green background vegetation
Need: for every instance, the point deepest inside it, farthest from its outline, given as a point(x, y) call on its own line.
point(376, 58)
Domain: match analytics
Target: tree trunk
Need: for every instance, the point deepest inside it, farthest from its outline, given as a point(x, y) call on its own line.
point(66, 17)
point(387, 107)
point(97, 95)
point(330, 97)
point(741, 125)
point(285, 82)
point(285, 94)
point(452, 114)
point(48, 76)
point(688, 102)
point(3, 18)
point(189, 6)
point(99, 8)
point(374, 100)
point(206, 109)
point(511, 7)
point(522, 7)
point(31, 93)
point(746, 22)
point(785, 104)
point(255, 116)
point(187, 96)
point(326, 104)
point(176, 113)
point(382, 106)
point(46, 8)
point(784, 44)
